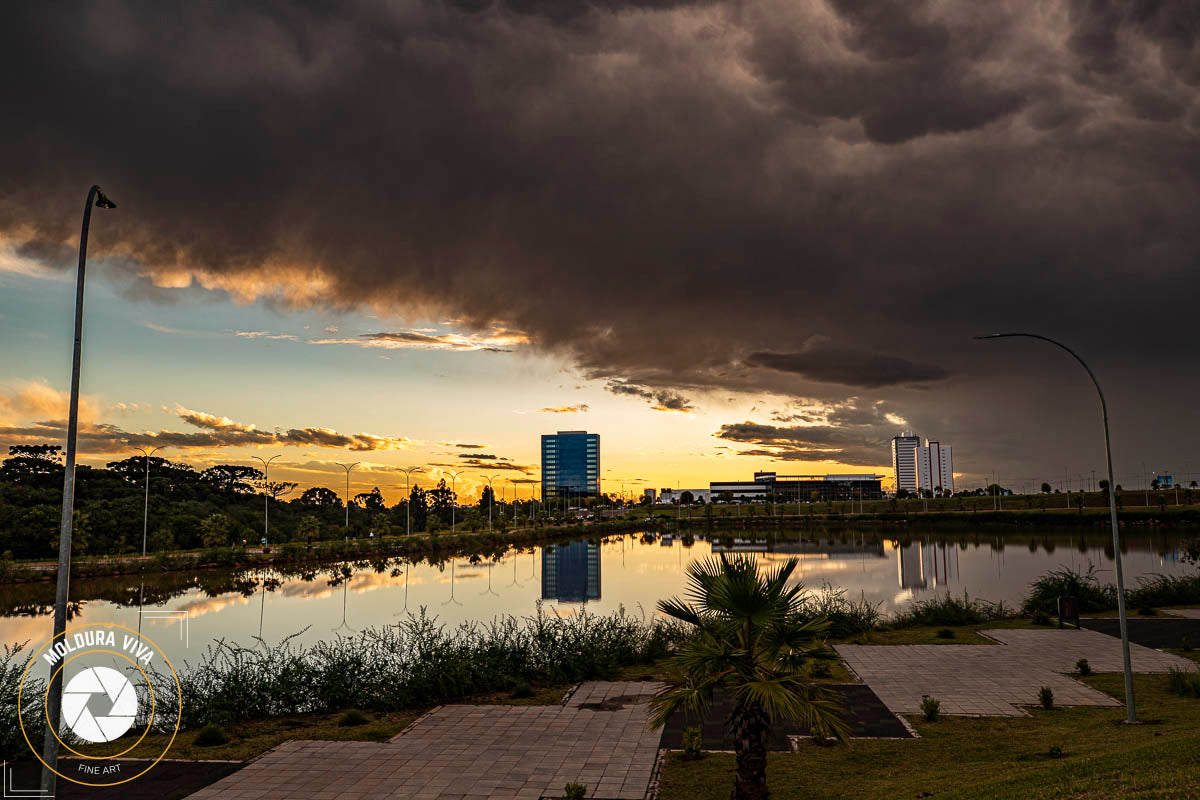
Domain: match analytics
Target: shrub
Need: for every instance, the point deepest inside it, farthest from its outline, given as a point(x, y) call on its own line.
point(693, 744)
point(1184, 683)
point(1046, 698)
point(12, 667)
point(820, 669)
point(353, 718)
point(945, 633)
point(1147, 611)
point(1066, 582)
point(413, 663)
point(522, 690)
point(1165, 590)
point(1055, 751)
point(846, 617)
point(574, 791)
point(931, 708)
point(211, 736)
point(1041, 619)
point(1185, 645)
point(948, 610)
point(1083, 667)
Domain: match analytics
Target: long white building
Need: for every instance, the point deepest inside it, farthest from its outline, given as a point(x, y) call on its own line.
point(935, 467)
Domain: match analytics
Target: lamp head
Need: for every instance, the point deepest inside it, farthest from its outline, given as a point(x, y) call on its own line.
point(102, 200)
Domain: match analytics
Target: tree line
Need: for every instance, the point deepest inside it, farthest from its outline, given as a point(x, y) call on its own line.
point(190, 509)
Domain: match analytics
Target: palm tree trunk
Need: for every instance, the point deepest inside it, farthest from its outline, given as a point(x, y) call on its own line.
point(750, 728)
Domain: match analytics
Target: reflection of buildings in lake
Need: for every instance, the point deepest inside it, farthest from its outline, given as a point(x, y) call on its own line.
point(925, 565)
point(834, 551)
point(571, 572)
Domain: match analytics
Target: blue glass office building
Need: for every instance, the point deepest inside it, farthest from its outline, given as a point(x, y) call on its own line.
point(570, 464)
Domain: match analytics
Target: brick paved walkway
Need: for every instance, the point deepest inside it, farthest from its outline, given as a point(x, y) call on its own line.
point(599, 738)
point(997, 679)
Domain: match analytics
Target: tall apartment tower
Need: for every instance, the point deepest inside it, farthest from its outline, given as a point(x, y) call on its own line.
point(570, 464)
point(904, 460)
point(935, 467)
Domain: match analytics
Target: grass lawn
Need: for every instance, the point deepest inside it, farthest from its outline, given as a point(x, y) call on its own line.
point(928, 634)
point(960, 757)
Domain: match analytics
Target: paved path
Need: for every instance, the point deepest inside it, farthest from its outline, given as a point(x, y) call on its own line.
point(997, 679)
point(599, 738)
point(1190, 613)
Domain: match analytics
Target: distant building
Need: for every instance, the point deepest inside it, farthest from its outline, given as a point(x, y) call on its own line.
point(571, 572)
point(669, 495)
point(570, 464)
point(790, 488)
point(651, 496)
point(904, 460)
point(935, 467)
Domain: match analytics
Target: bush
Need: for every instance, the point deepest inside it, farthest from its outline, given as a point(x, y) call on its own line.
point(1147, 611)
point(1046, 698)
point(417, 662)
point(522, 690)
point(945, 633)
point(1165, 590)
point(1184, 683)
point(1066, 582)
point(931, 708)
point(846, 617)
point(1055, 751)
point(693, 744)
point(820, 669)
point(12, 667)
point(1083, 667)
point(1041, 619)
point(211, 736)
point(948, 610)
point(575, 791)
point(1185, 645)
point(353, 718)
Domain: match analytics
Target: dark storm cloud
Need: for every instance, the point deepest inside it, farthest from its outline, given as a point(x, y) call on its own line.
point(808, 443)
point(654, 190)
point(849, 367)
point(660, 399)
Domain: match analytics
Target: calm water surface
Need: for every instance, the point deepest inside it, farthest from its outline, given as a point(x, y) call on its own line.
point(184, 613)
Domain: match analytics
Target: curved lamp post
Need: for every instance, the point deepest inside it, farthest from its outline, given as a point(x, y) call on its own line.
point(408, 500)
point(95, 197)
point(266, 490)
point(491, 497)
point(146, 505)
point(347, 468)
point(453, 516)
point(1130, 708)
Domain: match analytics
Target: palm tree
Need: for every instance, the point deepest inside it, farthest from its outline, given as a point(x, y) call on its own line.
point(752, 641)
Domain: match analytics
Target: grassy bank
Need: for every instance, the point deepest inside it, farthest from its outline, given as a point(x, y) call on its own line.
point(959, 757)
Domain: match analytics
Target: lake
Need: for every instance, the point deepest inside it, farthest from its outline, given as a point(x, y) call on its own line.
point(184, 612)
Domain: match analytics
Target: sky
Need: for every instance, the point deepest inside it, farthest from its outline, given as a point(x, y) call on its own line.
point(727, 236)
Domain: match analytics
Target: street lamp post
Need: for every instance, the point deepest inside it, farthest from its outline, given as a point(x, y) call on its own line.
point(346, 532)
point(266, 491)
point(454, 501)
point(1130, 708)
point(491, 497)
point(146, 505)
point(54, 694)
point(408, 501)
